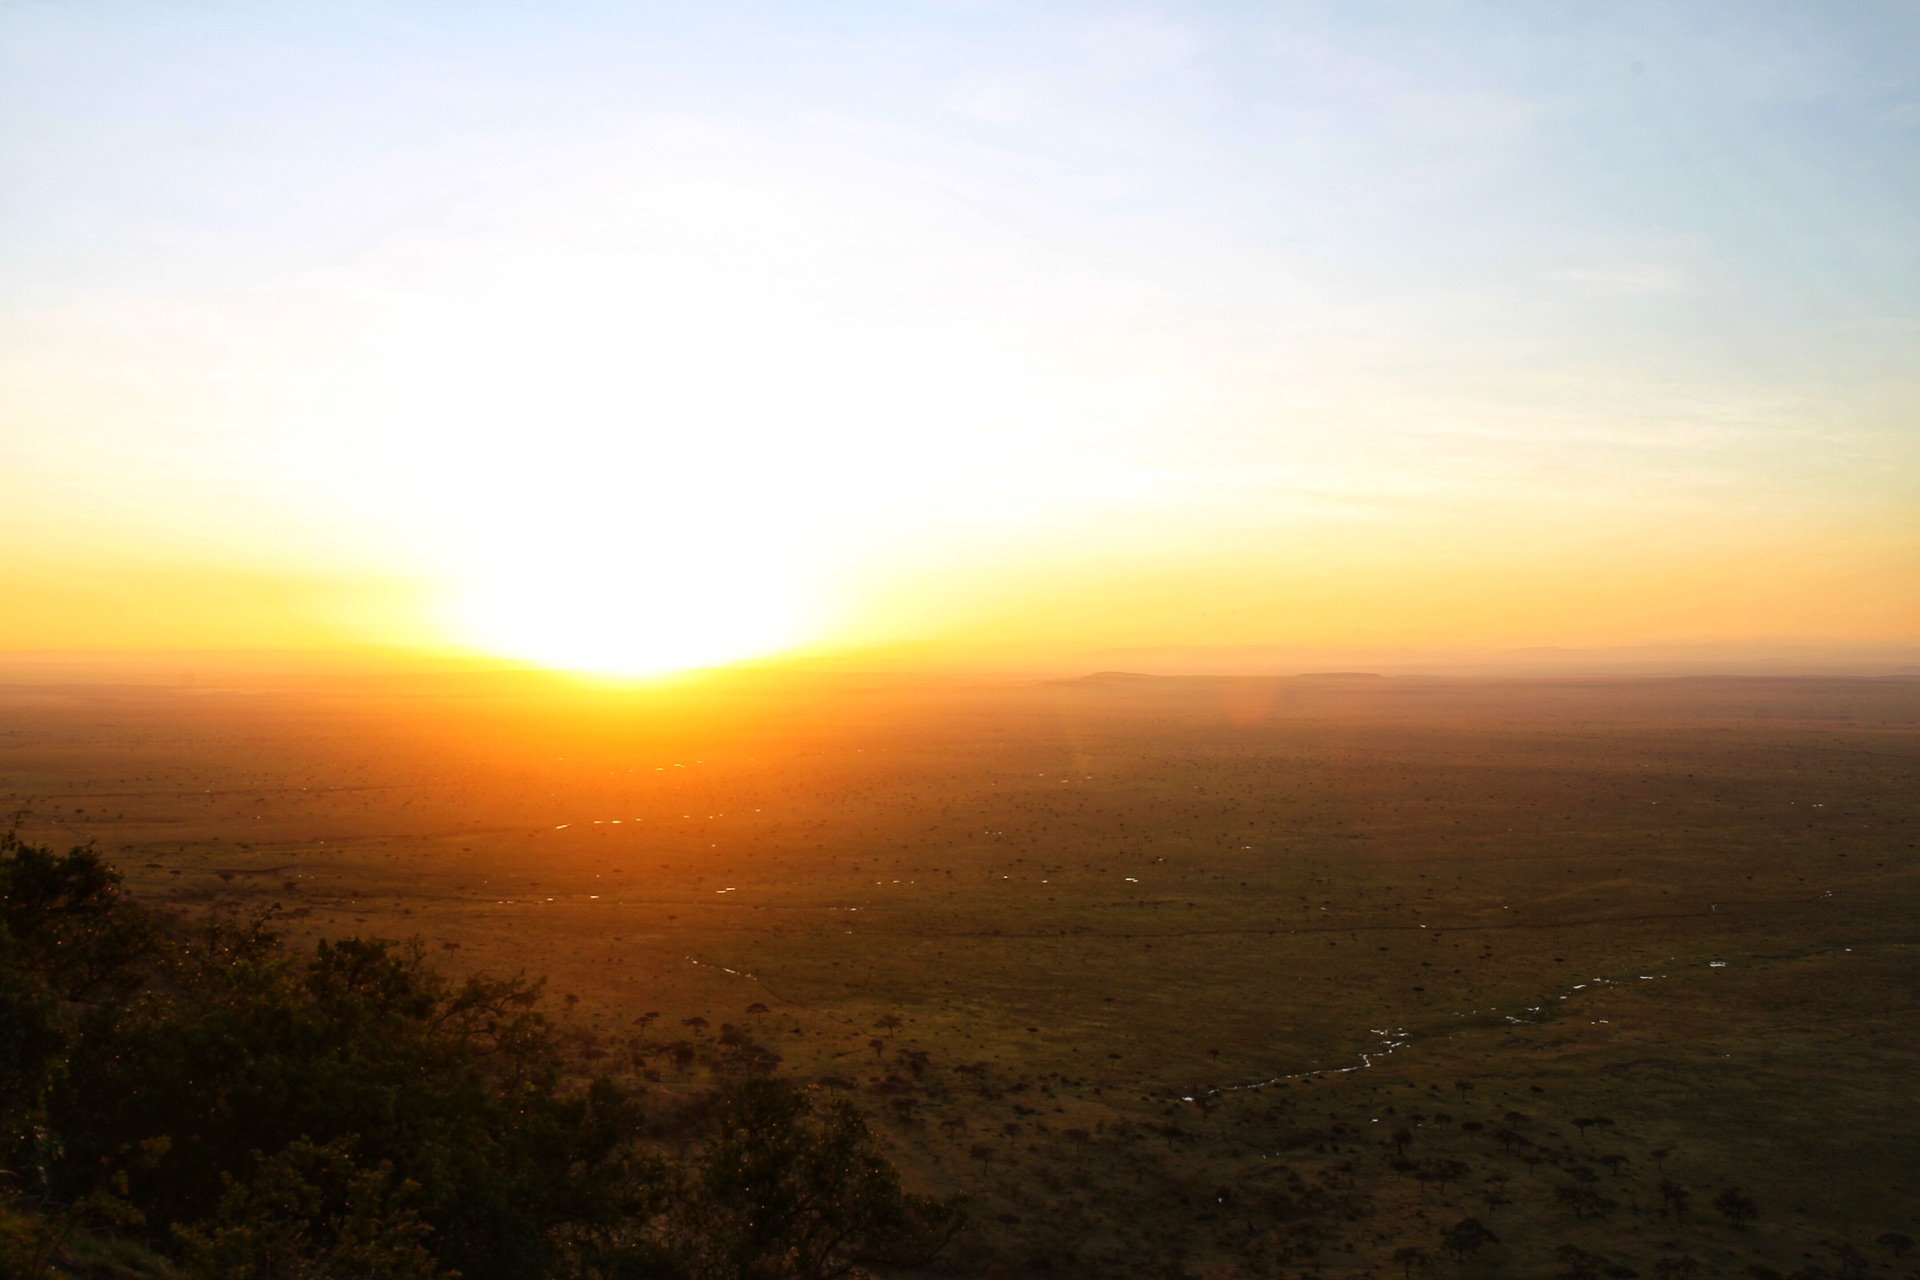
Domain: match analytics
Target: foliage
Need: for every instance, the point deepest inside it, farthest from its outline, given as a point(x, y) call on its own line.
point(353, 1113)
point(785, 1193)
point(66, 935)
point(311, 1211)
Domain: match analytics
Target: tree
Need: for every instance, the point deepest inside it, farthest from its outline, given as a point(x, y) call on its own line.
point(787, 1192)
point(1736, 1206)
point(1467, 1237)
point(68, 940)
point(1445, 1171)
point(1583, 1200)
point(1410, 1257)
point(67, 921)
point(1400, 1138)
point(1584, 1123)
point(1496, 1195)
point(349, 1112)
point(1896, 1241)
point(1674, 1197)
point(311, 1210)
point(888, 1022)
point(240, 1046)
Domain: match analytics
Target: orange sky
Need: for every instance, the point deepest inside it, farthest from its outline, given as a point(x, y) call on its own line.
point(633, 342)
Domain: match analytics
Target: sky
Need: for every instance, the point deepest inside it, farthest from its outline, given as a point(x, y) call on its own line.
point(631, 337)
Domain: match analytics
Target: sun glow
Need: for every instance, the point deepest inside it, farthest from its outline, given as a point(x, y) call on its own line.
point(619, 634)
point(653, 427)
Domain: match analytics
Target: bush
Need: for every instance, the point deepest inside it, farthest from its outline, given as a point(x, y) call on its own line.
point(353, 1113)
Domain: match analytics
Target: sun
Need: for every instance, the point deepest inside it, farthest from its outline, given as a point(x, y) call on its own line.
point(628, 632)
point(679, 422)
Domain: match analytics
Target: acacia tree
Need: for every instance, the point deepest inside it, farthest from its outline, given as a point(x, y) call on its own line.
point(1409, 1257)
point(1467, 1237)
point(1584, 1123)
point(1736, 1206)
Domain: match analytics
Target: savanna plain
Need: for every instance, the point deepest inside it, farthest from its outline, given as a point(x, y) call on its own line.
point(1319, 976)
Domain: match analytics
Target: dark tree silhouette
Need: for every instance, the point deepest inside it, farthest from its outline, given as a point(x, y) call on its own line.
point(788, 1192)
point(1897, 1241)
point(1585, 1123)
point(348, 1112)
point(1467, 1237)
point(1409, 1257)
point(313, 1210)
point(1583, 1200)
point(1736, 1206)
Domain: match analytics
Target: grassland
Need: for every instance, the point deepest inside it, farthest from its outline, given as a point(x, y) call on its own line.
point(1224, 977)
